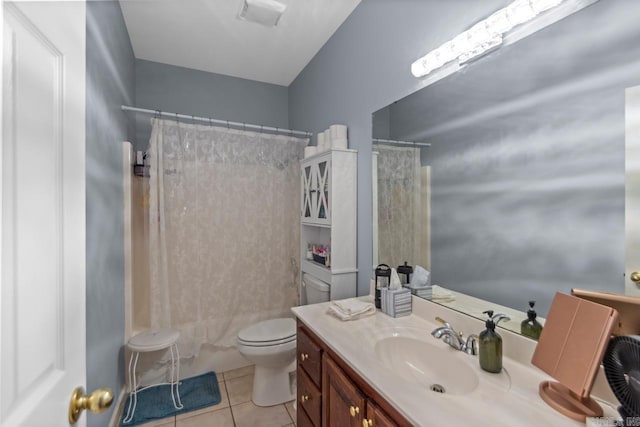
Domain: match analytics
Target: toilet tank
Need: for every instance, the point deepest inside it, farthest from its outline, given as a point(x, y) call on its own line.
point(316, 290)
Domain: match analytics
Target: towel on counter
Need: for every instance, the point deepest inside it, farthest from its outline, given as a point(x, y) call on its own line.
point(351, 309)
point(442, 295)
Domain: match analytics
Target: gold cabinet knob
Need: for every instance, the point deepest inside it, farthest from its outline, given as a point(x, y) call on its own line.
point(354, 410)
point(635, 277)
point(303, 357)
point(367, 423)
point(97, 402)
point(304, 397)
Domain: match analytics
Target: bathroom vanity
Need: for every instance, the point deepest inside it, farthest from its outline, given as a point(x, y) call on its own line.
point(331, 393)
point(381, 371)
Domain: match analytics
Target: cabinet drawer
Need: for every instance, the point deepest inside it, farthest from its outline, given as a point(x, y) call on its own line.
point(309, 357)
point(309, 398)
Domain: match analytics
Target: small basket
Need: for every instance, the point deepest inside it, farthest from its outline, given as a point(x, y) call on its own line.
point(319, 259)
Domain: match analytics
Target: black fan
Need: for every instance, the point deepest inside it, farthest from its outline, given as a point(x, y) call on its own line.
point(622, 368)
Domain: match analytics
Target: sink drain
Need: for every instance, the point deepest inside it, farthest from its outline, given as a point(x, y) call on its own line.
point(437, 388)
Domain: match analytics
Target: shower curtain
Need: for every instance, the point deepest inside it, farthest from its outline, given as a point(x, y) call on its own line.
point(400, 217)
point(224, 230)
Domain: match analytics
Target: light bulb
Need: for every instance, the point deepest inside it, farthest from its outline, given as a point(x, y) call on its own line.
point(461, 43)
point(426, 64)
point(478, 34)
point(446, 52)
point(499, 23)
point(519, 12)
point(540, 6)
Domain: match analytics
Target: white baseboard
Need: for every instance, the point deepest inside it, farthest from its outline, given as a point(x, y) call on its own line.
point(116, 415)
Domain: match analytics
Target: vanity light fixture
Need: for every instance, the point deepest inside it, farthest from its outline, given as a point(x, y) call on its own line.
point(264, 12)
point(482, 37)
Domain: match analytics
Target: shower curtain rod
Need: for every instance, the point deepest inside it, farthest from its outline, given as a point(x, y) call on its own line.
point(216, 121)
point(393, 141)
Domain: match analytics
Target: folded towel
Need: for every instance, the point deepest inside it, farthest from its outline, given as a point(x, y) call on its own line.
point(351, 309)
point(442, 295)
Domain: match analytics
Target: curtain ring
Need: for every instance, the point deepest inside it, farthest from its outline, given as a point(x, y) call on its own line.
point(210, 122)
point(261, 129)
point(228, 126)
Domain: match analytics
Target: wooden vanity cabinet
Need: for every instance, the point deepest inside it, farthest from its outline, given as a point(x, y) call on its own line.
point(331, 394)
point(344, 404)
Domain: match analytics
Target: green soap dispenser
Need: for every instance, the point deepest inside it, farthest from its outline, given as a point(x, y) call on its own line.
point(490, 344)
point(531, 327)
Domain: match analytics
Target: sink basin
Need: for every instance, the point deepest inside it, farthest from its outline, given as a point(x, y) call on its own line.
point(435, 367)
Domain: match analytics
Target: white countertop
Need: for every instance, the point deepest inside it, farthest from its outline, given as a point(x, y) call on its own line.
point(490, 404)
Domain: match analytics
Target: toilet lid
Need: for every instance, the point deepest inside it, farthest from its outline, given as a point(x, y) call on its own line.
point(269, 331)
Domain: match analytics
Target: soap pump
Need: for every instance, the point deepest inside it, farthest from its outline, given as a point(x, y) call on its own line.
point(490, 344)
point(531, 327)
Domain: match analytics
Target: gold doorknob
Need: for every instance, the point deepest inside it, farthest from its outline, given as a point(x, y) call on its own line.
point(97, 402)
point(304, 398)
point(303, 357)
point(367, 423)
point(635, 277)
point(353, 410)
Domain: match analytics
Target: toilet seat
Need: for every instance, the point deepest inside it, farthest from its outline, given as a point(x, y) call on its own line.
point(268, 333)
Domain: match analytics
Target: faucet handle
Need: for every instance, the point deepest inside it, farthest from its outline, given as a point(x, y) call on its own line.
point(498, 317)
point(442, 321)
point(471, 345)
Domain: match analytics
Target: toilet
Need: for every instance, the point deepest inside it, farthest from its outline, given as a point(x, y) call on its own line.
point(271, 346)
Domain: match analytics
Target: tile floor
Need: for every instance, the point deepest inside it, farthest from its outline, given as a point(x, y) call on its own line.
point(235, 409)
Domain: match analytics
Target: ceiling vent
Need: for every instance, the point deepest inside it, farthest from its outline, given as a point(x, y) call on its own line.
point(264, 12)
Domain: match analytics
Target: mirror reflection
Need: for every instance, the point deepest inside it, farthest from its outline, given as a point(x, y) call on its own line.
point(521, 192)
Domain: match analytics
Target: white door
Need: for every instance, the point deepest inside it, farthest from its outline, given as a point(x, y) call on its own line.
point(632, 190)
point(43, 212)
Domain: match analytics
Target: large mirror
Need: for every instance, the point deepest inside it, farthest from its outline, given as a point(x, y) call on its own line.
point(521, 192)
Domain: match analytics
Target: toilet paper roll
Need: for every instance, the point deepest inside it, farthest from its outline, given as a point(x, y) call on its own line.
point(327, 138)
point(340, 143)
point(320, 139)
point(310, 151)
point(338, 131)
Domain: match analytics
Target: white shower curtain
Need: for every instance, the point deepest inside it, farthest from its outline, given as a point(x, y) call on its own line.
point(224, 230)
point(400, 217)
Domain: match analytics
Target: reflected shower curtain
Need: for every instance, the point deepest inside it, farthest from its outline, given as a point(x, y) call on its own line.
point(400, 217)
point(224, 230)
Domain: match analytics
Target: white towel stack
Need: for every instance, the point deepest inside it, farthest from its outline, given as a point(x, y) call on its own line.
point(395, 302)
point(351, 309)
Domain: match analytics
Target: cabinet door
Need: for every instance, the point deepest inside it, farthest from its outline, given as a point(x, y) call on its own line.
point(376, 417)
point(322, 169)
point(308, 193)
point(343, 403)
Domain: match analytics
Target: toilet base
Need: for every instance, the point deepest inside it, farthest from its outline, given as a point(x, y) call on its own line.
point(271, 386)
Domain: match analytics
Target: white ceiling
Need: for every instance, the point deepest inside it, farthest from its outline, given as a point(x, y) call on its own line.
point(207, 35)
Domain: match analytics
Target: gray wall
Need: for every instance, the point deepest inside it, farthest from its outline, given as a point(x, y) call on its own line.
point(110, 83)
point(365, 66)
point(187, 91)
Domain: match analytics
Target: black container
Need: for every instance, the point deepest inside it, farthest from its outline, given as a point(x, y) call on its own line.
point(383, 277)
point(406, 270)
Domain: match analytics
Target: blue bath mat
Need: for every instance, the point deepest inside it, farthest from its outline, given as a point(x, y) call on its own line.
point(155, 402)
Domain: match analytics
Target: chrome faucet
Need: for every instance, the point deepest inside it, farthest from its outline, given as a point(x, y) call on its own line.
point(455, 339)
